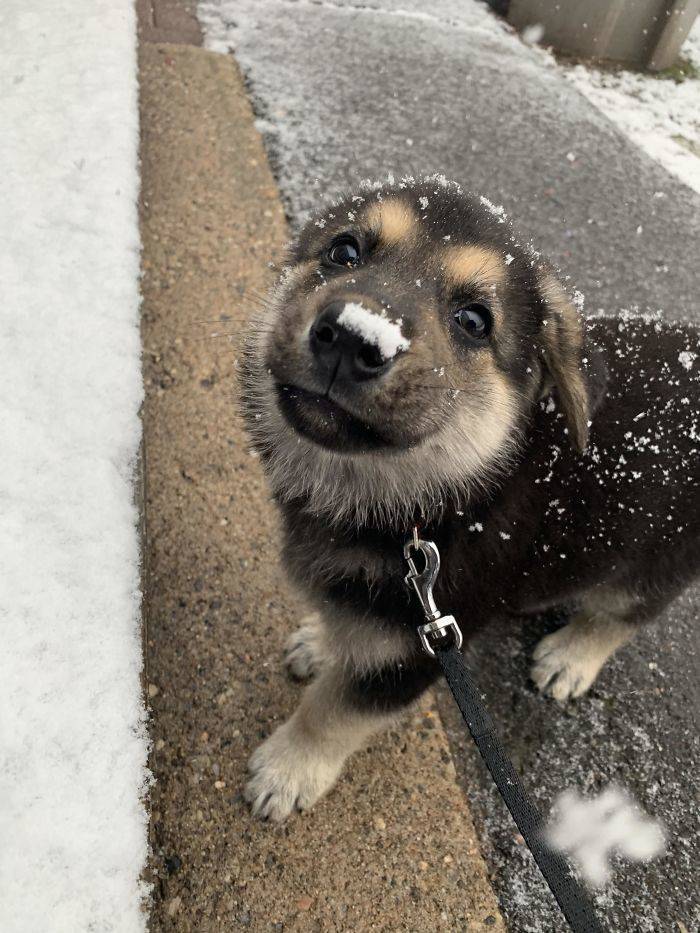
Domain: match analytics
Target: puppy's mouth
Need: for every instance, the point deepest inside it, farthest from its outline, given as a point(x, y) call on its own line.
point(327, 423)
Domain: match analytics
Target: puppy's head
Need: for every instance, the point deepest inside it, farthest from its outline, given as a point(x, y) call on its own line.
point(402, 352)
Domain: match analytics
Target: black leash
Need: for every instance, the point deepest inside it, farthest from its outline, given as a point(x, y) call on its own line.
point(569, 894)
point(441, 637)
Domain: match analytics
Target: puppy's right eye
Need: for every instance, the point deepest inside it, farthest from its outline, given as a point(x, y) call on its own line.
point(475, 320)
point(345, 252)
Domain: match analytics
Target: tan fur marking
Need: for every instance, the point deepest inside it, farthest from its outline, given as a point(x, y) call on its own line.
point(474, 265)
point(608, 601)
point(563, 337)
point(568, 661)
point(490, 429)
point(294, 275)
point(568, 318)
point(394, 221)
point(359, 645)
point(303, 758)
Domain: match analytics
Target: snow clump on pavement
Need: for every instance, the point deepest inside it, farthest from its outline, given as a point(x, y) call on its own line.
point(591, 831)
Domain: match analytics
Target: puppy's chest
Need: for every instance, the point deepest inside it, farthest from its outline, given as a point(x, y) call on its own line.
point(334, 558)
point(366, 569)
point(316, 551)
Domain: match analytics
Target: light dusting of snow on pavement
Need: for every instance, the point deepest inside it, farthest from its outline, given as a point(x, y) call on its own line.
point(72, 721)
point(376, 329)
point(658, 114)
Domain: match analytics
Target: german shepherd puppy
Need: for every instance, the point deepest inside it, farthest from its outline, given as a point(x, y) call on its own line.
point(418, 363)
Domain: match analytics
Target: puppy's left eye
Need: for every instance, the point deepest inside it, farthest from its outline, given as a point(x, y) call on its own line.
point(345, 251)
point(475, 319)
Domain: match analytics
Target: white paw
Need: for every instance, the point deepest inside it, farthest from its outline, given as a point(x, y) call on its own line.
point(285, 775)
point(564, 664)
point(302, 652)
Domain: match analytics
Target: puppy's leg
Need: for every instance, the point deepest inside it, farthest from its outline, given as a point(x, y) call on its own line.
point(568, 661)
point(367, 677)
point(303, 758)
point(305, 649)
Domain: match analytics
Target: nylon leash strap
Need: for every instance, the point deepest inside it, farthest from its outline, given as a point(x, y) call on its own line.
point(441, 637)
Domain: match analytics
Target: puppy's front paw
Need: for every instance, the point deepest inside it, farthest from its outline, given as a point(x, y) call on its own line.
point(563, 667)
point(303, 652)
point(285, 775)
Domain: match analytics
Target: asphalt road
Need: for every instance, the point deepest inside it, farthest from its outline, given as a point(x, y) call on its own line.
point(349, 91)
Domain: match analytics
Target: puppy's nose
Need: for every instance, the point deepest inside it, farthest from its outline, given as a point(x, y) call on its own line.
point(341, 344)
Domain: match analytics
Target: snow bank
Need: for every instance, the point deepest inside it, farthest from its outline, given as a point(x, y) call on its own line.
point(72, 722)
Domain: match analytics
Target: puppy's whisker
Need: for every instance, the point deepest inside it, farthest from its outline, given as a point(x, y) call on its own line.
point(232, 320)
point(450, 386)
point(245, 323)
point(235, 314)
point(215, 321)
point(217, 335)
point(421, 385)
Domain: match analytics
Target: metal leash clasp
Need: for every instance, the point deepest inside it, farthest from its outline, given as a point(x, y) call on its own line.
point(423, 582)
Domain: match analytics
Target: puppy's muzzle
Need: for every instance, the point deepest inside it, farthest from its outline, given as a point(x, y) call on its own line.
point(342, 354)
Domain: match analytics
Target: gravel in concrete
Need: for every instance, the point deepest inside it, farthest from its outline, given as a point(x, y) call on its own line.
point(393, 847)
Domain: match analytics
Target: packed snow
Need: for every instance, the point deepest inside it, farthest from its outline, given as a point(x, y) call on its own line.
point(72, 722)
point(592, 830)
point(376, 329)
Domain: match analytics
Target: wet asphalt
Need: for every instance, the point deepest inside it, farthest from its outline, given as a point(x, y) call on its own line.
point(345, 92)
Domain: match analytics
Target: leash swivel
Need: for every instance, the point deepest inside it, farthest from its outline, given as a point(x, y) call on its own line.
point(437, 625)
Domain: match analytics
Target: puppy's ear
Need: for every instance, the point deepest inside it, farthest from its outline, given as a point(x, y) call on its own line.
point(562, 335)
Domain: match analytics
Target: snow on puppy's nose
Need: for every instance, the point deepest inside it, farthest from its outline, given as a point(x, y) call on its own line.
point(376, 329)
point(353, 343)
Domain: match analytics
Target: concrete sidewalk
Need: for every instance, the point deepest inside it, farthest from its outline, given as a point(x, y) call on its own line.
point(393, 846)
